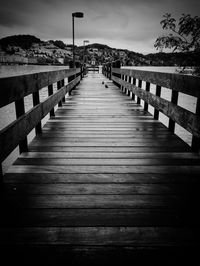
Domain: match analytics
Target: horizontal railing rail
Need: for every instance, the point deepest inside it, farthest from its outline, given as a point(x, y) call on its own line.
point(14, 89)
point(93, 68)
point(189, 85)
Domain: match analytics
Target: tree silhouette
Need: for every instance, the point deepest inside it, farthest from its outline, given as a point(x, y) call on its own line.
point(183, 35)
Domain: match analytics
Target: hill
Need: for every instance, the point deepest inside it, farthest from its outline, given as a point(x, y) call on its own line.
point(22, 41)
point(55, 51)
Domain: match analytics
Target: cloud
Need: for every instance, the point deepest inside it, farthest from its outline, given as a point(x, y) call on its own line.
point(126, 23)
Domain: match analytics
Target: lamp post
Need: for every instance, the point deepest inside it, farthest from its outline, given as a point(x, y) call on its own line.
point(75, 15)
point(84, 42)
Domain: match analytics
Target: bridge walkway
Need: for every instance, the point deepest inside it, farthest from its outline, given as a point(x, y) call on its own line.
point(103, 182)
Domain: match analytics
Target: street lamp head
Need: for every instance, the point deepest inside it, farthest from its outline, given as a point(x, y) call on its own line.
point(78, 15)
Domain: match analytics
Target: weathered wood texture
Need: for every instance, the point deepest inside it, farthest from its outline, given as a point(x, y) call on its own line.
point(181, 116)
point(17, 131)
point(181, 83)
point(17, 87)
point(104, 184)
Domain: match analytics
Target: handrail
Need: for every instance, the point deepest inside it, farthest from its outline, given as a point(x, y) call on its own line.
point(17, 87)
point(189, 85)
point(14, 89)
point(181, 83)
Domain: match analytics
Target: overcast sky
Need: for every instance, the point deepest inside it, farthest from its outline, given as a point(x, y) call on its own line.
point(127, 24)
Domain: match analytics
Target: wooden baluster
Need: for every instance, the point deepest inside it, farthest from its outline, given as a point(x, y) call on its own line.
point(147, 89)
point(127, 80)
point(122, 78)
point(125, 77)
point(36, 101)
point(174, 99)
point(63, 84)
point(20, 110)
point(58, 88)
point(196, 140)
point(129, 92)
point(50, 92)
point(133, 95)
point(140, 86)
point(158, 93)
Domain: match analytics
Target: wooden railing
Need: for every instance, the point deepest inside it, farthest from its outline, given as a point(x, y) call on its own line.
point(93, 68)
point(189, 85)
point(14, 89)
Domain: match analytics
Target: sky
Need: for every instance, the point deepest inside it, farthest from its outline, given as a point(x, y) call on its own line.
point(126, 24)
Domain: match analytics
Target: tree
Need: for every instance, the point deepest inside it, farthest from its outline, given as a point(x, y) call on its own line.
point(183, 36)
point(23, 41)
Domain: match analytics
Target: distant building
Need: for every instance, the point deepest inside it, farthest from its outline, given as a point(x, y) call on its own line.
point(93, 61)
point(122, 54)
point(61, 60)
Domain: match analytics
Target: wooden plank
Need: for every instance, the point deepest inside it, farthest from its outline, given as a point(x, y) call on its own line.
point(97, 217)
point(101, 189)
point(113, 143)
point(106, 161)
point(109, 148)
point(130, 236)
point(146, 178)
point(106, 169)
point(110, 155)
point(100, 201)
point(99, 255)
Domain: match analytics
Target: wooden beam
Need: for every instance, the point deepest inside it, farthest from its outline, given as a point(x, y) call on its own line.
point(182, 83)
point(17, 87)
point(58, 88)
point(20, 110)
point(183, 117)
point(174, 100)
point(196, 140)
point(158, 93)
point(17, 131)
point(36, 101)
point(147, 89)
point(139, 86)
point(50, 92)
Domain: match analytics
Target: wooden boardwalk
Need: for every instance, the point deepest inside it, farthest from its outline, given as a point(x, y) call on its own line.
point(103, 183)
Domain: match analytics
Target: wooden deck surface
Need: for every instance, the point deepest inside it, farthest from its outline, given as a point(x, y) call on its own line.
point(103, 183)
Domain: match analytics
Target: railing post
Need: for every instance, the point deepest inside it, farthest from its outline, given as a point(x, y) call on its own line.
point(133, 95)
point(129, 80)
point(123, 88)
point(158, 93)
point(62, 85)
point(174, 99)
point(196, 140)
point(110, 71)
point(50, 92)
point(147, 89)
point(20, 110)
point(140, 86)
point(36, 100)
point(58, 88)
